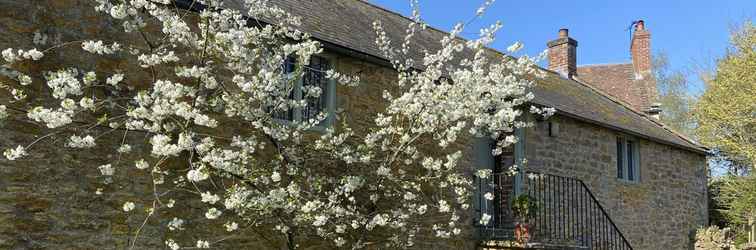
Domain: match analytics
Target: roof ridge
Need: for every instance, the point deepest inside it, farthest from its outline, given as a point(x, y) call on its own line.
point(604, 64)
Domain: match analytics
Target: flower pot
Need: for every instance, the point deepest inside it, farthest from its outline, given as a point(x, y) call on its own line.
point(522, 233)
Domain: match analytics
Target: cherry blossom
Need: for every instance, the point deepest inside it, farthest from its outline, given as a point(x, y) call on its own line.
point(211, 123)
point(128, 206)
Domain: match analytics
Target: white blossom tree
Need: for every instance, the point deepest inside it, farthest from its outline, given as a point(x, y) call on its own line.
point(217, 84)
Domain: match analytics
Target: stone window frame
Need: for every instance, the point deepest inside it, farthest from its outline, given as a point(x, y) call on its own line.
point(329, 93)
point(627, 150)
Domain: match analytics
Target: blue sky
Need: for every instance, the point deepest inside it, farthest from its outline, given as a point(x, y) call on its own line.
point(693, 32)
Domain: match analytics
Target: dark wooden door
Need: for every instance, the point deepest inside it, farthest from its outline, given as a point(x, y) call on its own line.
point(504, 186)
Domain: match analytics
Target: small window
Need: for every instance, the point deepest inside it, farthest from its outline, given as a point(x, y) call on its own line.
point(313, 78)
point(553, 129)
point(628, 155)
point(620, 158)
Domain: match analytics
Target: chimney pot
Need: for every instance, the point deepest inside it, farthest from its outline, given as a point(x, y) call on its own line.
point(640, 50)
point(639, 25)
point(655, 110)
point(563, 54)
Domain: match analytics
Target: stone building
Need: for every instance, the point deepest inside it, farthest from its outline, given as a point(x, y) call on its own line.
point(606, 171)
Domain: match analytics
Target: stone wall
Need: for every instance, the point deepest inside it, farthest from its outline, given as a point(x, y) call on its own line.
point(48, 200)
point(662, 211)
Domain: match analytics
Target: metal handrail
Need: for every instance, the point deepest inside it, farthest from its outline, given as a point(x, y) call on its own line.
point(570, 214)
point(606, 215)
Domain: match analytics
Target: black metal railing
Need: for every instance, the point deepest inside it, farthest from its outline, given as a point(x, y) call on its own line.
point(501, 224)
point(568, 214)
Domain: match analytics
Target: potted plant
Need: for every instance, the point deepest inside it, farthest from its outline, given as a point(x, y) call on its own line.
point(524, 207)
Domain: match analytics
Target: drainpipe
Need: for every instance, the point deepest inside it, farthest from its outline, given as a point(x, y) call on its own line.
point(519, 154)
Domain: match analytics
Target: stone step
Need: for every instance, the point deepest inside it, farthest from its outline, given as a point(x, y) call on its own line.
point(496, 244)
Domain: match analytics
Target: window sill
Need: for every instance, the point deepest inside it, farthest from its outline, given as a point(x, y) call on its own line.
point(628, 182)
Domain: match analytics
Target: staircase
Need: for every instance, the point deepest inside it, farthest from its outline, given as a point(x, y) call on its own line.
point(569, 217)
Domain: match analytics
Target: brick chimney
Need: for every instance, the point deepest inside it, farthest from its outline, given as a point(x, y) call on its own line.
point(640, 49)
point(563, 54)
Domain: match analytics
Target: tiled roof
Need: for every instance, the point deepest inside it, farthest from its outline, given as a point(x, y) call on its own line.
point(620, 81)
point(585, 102)
point(349, 24)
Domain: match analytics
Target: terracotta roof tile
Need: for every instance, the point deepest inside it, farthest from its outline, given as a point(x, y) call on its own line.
point(620, 81)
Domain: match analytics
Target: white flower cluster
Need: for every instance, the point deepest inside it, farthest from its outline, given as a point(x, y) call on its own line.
point(87, 103)
point(76, 141)
point(484, 173)
point(197, 175)
point(106, 170)
point(378, 220)
point(3, 112)
point(68, 105)
point(39, 38)
point(161, 146)
point(213, 213)
point(24, 80)
point(18, 94)
point(157, 59)
point(543, 111)
point(489, 196)
point(100, 48)
point(141, 164)
point(128, 206)
point(176, 224)
point(15, 153)
point(203, 244)
point(482, 9)
point(114, 79)
point(484, 219)
point(517, 46)
point(11, 56)
point(202, 73)
point(351, 81)
point(64, 83)
point(210, 198)
point(89, 78)
point(231, 226)
point(124, 149)
point(170, 243)
point(51, 118)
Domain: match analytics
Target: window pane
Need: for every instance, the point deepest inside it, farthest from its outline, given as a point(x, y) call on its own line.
point(630, 160)
point(314, 76)
point(289, 65)
point(620, 157)
point(286, 114)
